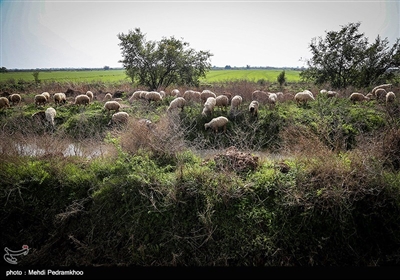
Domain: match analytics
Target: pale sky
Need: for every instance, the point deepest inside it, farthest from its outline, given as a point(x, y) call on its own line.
point(80, 34)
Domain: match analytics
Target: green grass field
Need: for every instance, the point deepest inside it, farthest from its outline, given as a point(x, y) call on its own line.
point(119, 75)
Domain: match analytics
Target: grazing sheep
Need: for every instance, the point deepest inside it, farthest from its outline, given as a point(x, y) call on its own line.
point(119, 118)
point(236, 102)
point(357, 97)
point(4, 103)
point(379, 94)
point(178, 102)
point(153, 96)
point(303, 97)
point(176, 93)
point(253, 108)
point(112, 106)
point(208, 107)
point(59, 98)
point(136, 95)
point(323, 91)
point(50, 114)
point(192, 96)
point(40, 99)
point(82, 99)
point(331, 94)
point(272, 99)
point(260, 96)
point(15, 98)
point(222, 101)
point(90, 94)
point(206, 94)
point(47, 95)
point(216, 123)
point(390, 97)
point(107, 97)
point(380, 86)
point(228, 94)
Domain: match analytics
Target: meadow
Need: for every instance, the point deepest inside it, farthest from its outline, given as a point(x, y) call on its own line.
point(253, 75)
point(300, 185)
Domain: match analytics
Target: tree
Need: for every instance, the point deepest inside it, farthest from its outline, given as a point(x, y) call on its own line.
point(160, 64)
point(345, 58)
point(36, 76)
point(281, 78)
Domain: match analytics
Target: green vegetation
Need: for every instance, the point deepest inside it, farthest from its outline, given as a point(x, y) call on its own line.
point(310, 185)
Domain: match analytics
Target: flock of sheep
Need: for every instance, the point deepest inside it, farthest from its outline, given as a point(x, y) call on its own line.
point(207, 98)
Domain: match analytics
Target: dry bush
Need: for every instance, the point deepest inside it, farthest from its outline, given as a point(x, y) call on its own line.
point(162, 137)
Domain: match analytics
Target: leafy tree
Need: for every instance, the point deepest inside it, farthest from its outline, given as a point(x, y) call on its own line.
point(160, 64)
point(345, 58)
point(281, 78)
point(36, 77)
point(3, 70)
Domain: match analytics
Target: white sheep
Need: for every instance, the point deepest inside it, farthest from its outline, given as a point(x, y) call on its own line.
point(206, 94)
point(136, 95)
point(216, 123)
point(272, 99)
point(192, 96)
point(15, 98)
point(107, 97)
point(40, 99)
point(178, 102)
point(208, 107)
point(253, 108)
point(153, 96)
point(112, 105)
point(390, 97)
point(379, 94)
point(50, 114)
point(331, 94)
point(222, 101)
point(4, 102)
point(357, 97)
point(82, 99)
point(47, 95)
point(236, 102)
point(119, 118)
point(176, 93)
point(59, 97)
point(260, 96)
point(303, 97)
point(90, 94)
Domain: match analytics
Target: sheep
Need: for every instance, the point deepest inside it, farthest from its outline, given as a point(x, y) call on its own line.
point(40, 99)
point(208, 108)
point(136, 95)
point(379, 94)
point(4, 102)
point(191, 95)
point(176, 93)
point(222, 101)
point(15, 98)
point(323, 91)
point(178, 102)
point(357, 97)
point(50, 114)
point(236, 102)
point(206, 94)
point(163, 94)
point(303, 97)
point(253, 108)
point(216, 123)
point(260, 96)
point(331, 94)
point(82, 99)
point(47, 95)
point(272, 99)
point(59, 98)
point(153, 96)
point(390, 97)
point(112, 106)
point(107, 97)
point(119, 118)
point(90, 94)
